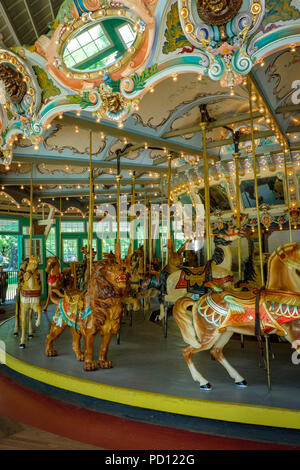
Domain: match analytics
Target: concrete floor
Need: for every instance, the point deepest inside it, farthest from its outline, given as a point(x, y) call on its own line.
point(145, 360)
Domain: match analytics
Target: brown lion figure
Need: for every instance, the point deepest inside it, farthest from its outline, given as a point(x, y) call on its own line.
point(98, 310)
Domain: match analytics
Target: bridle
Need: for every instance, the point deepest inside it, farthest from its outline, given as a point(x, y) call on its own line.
point(292, 259)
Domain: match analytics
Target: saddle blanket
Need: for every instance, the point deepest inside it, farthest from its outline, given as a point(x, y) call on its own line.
point(63, 313)
point(194, 284)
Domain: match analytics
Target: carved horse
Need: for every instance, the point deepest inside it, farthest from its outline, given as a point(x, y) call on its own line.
point(57, 281)
point(218, 269)
point(209, 323)
point(140, 281)
point(29, 297)
point(54, 281)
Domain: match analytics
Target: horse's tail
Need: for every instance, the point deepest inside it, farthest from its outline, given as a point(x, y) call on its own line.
point(184, 320)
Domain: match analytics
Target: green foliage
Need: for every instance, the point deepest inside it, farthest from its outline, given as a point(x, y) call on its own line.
point(64, 11)
point(82, 101)
point(174, 35)
point(46, 84)
point(7, 243)
point(140, 80)
point(114, 85)
point(280, 10)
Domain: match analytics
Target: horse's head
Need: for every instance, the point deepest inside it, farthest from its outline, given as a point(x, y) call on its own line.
point(284, 268)
point(51, 263)
point(33, 264)
point(227, 235)
point(289, 255)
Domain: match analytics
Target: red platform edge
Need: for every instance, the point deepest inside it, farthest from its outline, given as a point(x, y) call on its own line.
point(106, 431)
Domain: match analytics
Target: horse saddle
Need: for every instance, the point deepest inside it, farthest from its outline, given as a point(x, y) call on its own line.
point(192, 279)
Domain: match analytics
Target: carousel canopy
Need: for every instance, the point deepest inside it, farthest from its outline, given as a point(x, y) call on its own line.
point(142, 77)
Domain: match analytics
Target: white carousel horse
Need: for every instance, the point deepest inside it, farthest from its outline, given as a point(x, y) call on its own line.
point(218, 270)
point(210, 322)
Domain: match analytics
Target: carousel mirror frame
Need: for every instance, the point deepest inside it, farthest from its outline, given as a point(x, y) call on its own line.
point(94, 18)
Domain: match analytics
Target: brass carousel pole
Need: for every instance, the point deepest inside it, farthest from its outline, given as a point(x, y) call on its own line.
point(59, 232)
point(256, 186)
point(118, 178)
point(132, 216)
point(145, 232)
point(161, 234)
point(258, 225)
point(91, 209)
point(287, 186)
point(31, 210)
point(169, 202)
point(150, 232)
point(238, 210)
point(207, 195)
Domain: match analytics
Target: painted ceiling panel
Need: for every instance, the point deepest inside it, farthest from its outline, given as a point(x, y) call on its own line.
point(171, 69)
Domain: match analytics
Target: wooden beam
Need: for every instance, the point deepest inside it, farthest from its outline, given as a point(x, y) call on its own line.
point(243, 138)
point(54, 181)
point(212, 125)
point(129, 135)
point(9, 24)
point(77, 194)
point(31, 18)
point(84, 163)
point(293, 108)
point(51, 9)
point(293, 129)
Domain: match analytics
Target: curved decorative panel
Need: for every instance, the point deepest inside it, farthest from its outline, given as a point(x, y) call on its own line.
point(221, 29)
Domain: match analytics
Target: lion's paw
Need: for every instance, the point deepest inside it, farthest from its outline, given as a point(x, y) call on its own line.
point(90, 365)
point(50, 352)
point(105, 364)
point(80, 357)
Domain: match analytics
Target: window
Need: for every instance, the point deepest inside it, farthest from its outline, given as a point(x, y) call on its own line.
point(127, 35)
point(37, 248)
point(124, 246)
point(85, 243)
point(86, 45)
point(51, 243)
point(70, 250)
point(26, 230)
point(108, 245)
point(9, 225)
point(72, 227)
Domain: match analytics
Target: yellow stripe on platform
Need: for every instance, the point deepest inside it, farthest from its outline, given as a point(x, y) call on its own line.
point(224, 411)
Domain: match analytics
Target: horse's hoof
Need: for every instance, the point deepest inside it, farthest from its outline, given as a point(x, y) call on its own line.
point(205, 387)
point(242, 384)
point(16, 334)
point(30, 336)
point(22, 346)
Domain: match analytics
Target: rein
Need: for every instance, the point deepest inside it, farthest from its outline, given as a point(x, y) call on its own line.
point(290, 259)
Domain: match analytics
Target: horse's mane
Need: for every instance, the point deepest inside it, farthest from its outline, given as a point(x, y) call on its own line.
point(218, 256)
point(249, 271)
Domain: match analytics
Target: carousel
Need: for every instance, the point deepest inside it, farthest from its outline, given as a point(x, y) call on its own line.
point(150, 183)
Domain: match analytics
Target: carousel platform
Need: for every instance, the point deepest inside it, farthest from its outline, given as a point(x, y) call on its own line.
point(149, 400)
